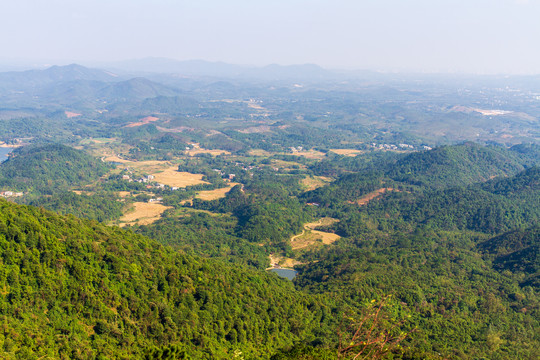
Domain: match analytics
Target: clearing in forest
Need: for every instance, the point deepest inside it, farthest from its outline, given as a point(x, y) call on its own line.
point(260, 152)
point(143, 121)
point(277, 261)
point(347, 152)
point(196, 149)
point(215, 194)
point(310, 237)
point(372, 195)
point(315, 182)
point(214, 152)
point(71, 114)
point(310, 154)
point(143, 213)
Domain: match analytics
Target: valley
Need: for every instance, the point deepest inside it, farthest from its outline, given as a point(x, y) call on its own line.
point(149, 211)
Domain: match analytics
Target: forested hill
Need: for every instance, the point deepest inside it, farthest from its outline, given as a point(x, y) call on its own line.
point(517, 251)
point(443, 168)
point(462, 164)
point(48, 168)
point(493, 207)
point(77, 289)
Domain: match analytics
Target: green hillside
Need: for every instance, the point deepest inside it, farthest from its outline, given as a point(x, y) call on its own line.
point(48, 168)
point(75, 289)
point(493, 207)
point(517, 251)
point(458, 165)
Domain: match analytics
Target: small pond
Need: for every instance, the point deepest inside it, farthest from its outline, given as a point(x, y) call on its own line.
point(4, 151)
point(285, 273)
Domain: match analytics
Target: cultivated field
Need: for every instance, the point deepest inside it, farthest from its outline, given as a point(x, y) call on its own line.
point(310, 154)
point(347, 152)
point(215, 194)
point(143, 213)
point(172, 177)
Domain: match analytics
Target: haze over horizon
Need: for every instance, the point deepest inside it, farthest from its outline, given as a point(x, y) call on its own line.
point(482, 37)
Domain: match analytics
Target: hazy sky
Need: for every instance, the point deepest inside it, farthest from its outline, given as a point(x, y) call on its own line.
point(474, 36)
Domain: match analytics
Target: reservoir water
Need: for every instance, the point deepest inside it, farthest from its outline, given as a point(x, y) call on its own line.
point(4, 151)
point(285, 273)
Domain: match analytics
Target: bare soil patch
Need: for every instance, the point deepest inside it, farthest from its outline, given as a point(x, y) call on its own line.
point(143, 121)
point(70, 114)
point(372, 195)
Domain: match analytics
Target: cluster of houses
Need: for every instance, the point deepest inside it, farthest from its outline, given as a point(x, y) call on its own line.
point(397, 147)
point(8, 194)
point(148, 179)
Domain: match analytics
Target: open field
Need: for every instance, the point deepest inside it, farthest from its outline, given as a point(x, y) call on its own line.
point(172, 177)
point(186, 211)
point(287, 165)
point(80, 192)
point(215, 194)
point(259, 152)
point(214, 152)
point(372, 195)
point(70, 114)
point(281, 261)
point(164, 172)
point(148, 166)
point(310, 237)
point(347, 152)
point(97, 141)
point(143, 214)
point(143, 121)
point(310, 154)
point(115, 158)
point(315, 182)
point(255, 129)
point(325, 221)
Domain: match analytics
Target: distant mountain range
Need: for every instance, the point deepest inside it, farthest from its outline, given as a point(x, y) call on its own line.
point(200, 68)
point(76, 84)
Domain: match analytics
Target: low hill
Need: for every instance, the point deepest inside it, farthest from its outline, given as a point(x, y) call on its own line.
point(492, 207)
point(78, 289)
point(135, 89)
point(517, 251)
point(458, 165)
point(48, 168)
